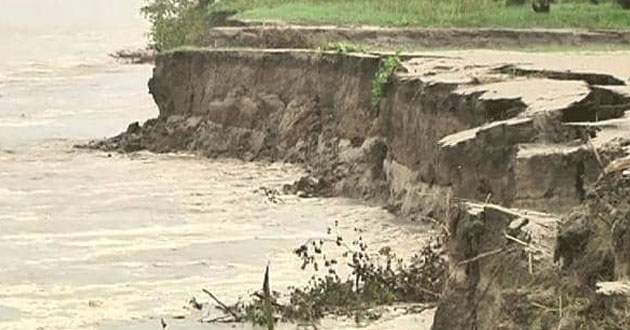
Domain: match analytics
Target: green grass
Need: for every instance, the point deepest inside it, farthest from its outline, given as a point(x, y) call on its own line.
point(436, 13)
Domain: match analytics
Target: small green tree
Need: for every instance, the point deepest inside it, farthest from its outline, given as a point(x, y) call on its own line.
point(176, 23)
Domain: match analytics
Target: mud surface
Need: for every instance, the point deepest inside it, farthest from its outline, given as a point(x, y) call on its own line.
point(270, 35)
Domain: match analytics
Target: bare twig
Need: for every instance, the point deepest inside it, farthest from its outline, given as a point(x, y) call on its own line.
point(482, 255)
point(223, 306)
point(547, 308)
point(595, 152)
point(437, 295)
point(529, 246)
point(438, 223)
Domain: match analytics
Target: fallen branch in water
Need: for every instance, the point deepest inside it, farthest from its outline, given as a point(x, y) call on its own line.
point(220, 319)
point(223, 306)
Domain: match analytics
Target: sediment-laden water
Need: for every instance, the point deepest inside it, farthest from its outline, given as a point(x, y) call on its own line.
point(91, 240)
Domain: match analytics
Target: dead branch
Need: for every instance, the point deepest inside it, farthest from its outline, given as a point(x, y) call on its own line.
point(220, 319)
point(595, 152)
point(223, 306)
point(541, 306)
point(528, 246)
point(438, 223)
point(483, 255)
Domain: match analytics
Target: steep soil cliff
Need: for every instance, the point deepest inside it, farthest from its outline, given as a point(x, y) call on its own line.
point(445, 124)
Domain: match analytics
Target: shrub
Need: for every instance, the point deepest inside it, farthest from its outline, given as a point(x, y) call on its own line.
point(383, 75)
point(374, 278)
point(176, 23)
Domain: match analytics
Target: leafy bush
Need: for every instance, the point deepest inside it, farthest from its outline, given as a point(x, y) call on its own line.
point(176, 23)
point(375, 278)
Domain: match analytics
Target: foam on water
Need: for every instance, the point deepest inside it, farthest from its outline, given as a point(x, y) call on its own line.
point(144, 233)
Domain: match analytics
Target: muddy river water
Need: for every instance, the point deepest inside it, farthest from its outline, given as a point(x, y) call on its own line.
point(90, 240)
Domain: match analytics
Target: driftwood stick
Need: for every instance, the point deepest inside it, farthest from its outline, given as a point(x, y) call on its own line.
point(224, 306)
point(221, 319)
point(529, 246)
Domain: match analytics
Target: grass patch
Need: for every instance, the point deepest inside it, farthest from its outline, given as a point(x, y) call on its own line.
point(176, 23)
point(432, 13)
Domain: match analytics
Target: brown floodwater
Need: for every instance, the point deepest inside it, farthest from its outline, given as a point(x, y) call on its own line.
point(91, 240)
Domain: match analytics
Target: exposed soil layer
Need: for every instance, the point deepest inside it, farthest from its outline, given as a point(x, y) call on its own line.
point(445, 124)
point(299, 36)
point(533, 152)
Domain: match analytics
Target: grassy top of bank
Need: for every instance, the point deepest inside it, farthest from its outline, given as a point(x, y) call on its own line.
point(607, 15)
point(184, 22)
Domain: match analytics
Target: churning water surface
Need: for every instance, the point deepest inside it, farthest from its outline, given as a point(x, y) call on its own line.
point(90, 240)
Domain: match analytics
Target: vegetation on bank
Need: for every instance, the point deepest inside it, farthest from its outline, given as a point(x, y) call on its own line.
point(433, 13)
point(176, 23)
point(382, 77)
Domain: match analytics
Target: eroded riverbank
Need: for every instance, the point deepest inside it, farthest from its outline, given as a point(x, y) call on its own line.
point(117, 241)
point(519, 144)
